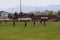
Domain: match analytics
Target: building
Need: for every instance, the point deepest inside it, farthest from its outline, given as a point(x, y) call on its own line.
point(3, 15)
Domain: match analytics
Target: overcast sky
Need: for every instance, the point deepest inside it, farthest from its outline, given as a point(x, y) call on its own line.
point(38, 3)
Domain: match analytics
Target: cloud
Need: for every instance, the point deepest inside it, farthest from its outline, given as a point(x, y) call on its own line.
point(40, 2)
point(8, 3)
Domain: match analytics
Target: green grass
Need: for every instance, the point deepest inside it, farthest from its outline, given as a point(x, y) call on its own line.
point(40, 32)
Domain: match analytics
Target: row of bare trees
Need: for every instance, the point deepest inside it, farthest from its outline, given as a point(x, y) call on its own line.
point(21, 14)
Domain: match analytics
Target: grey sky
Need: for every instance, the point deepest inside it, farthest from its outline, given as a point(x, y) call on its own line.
point(38, 3)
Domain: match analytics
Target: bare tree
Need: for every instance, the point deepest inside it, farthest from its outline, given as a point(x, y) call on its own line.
point(15, 17)
point(58, 13)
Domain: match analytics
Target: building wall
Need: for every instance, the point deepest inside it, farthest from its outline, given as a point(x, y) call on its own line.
point(4, 15)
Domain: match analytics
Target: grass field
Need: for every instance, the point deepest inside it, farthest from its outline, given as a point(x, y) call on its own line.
point(40, 32)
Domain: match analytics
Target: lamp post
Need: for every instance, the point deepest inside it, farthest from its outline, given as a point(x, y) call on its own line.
point(20, 5)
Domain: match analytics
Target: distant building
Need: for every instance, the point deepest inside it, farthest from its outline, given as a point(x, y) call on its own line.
point(37, 13)
point(3, 15)
point(46, 12)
